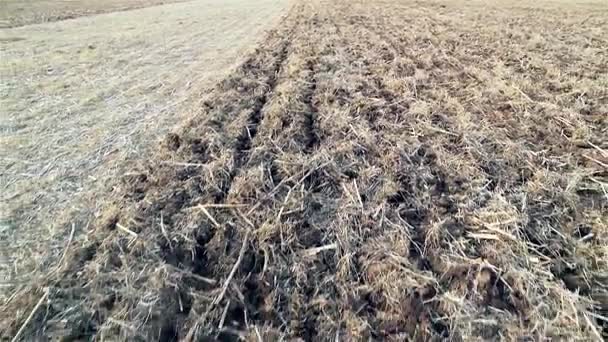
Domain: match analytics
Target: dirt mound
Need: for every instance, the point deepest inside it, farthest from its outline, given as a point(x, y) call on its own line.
point(383, 170)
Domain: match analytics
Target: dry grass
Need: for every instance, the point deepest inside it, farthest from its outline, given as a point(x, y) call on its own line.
point(375, 170)
point(78, 98)
point(14, 13)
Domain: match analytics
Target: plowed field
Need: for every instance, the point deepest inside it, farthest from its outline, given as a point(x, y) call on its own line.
point(399, 170)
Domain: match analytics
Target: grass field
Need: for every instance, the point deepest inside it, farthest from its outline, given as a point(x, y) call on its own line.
point(384, 170)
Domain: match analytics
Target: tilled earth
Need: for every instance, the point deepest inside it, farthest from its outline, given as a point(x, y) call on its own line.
point(380, 170)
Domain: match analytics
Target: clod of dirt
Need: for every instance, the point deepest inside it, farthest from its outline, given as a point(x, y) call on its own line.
point(172, 142)
point(109, 217)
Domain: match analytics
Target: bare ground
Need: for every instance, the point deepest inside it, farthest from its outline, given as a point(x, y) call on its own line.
point(385, 170)
point(78, 98)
